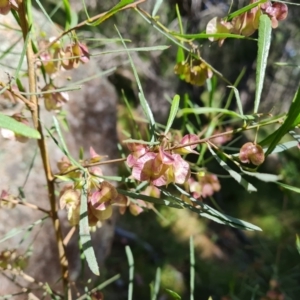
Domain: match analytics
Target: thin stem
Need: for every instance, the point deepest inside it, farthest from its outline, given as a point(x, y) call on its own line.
point(29, 105)
point(131, 5)
point(30, 205)
point(117, 160)
point(229, 132)
point(200, 141)
point(42, 142)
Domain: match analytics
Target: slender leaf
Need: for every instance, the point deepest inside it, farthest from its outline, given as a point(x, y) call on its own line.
point(65, 178)
point(192, 268)
point(68, 14)
point(85, 9)
point(238, 99)
point(237, 81)
point(140, 142)
point(64, 89)
point(248, 186)
point(173, 112)
point(263, 176)
point(208, 35)
point(284, 146)
point(9, 50)
point(206, 110)
point(289, 187)
point(298, 243)
point(143, 101)
point(22, 56)
point(131, 271)
point(208, 212)
point(264, 42)
point(290, 122)
point(45, 13)
point(173, 294)
point(16, 231)
point(156, 284)
point(63, 145)
point(111, 12)
point(157, 5)
point(139, 49)
point(295, 136)
point(18, 127)
point(84, 231)
point(244, 9)
point(150, 199)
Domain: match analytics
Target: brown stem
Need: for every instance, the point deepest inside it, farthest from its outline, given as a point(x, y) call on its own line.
point(29, 105)
point(30, 205)
point(112, 161)
point(42, 142)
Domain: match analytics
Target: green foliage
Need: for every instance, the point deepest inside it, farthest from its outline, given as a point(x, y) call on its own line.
point(17, 127)
point(264, 42)
point(84, 231)
point(181, 161)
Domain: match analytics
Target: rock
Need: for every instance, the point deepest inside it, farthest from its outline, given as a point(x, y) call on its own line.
point(92, 119)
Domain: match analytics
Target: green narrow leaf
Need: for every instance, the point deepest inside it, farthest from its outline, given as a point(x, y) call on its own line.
point(157, 5)
point(173, 294)
point(298, 243)
point(16, 231)
point(131, 271)
point(192, 268)
point(263, 176)
point(84, 231)
point(74, 19)
point(131, 117)
point(173, 112)
point(18, 127)
point(22, 56)
point(290, 122)
point(208, 212)
point(180, 57)
point(295, 135)
point(238, 99)
point(264, 42)
point(141, 142)
point(45, 13)
point(63, 145)
point(289, 187)
point(155, 289)
point(111, 12)
point(236, 83)
point(150, 199)
point(85, 9)
point(143, 101)
point(208, 35)
point(139, 49)
point(244, 9)
point(179, 19)
point(248, 186)
point(284, 146)
point(206, 110)
point(65, 178)
point(68, 14)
